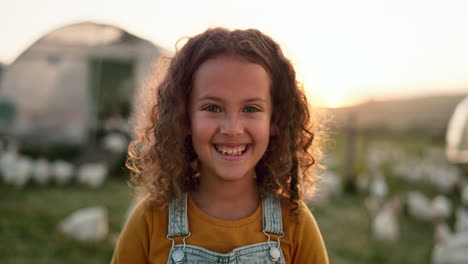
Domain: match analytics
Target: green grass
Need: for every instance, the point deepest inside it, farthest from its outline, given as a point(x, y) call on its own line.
point(28, 227)
point(29, 219)
point(346, 225)
point(346, 228)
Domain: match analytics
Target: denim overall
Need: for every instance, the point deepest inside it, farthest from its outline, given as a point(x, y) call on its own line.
point(259, 253)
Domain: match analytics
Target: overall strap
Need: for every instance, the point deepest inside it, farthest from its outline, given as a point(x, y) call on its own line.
point(272, 218)
point(178, 223)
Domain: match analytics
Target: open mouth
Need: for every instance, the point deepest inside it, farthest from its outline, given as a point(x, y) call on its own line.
point(231, 151)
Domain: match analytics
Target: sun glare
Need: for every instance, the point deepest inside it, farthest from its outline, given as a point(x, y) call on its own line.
point(331, 98)
point(333, 102)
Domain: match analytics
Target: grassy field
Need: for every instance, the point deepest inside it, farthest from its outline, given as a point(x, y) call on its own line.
point(345, 226)
point(29, 218)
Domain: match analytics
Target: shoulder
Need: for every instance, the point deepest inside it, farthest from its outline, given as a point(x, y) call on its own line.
point(140, 226)
point(295, 212)
point(145, 214)
point(306, 240)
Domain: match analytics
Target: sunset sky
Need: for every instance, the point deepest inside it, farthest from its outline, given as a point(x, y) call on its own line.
point(344, 51)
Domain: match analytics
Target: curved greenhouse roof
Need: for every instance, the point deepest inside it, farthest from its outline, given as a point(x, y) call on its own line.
point(457, 134)
point(62, 86)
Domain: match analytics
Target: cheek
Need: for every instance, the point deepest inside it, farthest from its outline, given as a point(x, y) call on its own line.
point(261, 130)
point(201, 128)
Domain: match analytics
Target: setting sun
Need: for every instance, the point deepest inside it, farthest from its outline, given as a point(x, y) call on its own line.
point(333, 100)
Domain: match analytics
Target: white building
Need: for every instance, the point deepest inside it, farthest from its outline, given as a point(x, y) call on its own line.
point(61, 87)
point(457, 134)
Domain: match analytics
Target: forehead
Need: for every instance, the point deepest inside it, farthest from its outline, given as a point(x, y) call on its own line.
point(231, 76)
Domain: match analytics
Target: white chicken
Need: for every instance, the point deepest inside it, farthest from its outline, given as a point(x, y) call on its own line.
point(92, 174)
point(461, 220)
point(385, 225)
point(115, 143)
point(441, 207)
point(86, 225)
point(378, 187)
point(449, 248)
point(7, 164)
point(62, 171)
point(19, 172)
point(464, 195)
point(419, 206)
point(42, 171)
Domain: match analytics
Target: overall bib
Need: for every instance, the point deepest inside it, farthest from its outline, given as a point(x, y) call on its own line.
point(259, 253)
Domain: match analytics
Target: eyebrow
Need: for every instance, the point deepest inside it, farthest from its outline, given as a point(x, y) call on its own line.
point(214, 98)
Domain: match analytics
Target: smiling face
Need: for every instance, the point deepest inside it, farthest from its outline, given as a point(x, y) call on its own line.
point(230, 113)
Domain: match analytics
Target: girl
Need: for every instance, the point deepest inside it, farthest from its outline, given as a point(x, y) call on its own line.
point(225, 154)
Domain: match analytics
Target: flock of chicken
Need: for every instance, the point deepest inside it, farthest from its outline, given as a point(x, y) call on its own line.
point(18, 169)
point(385, 207)
point(85, 224)
point(450, 246)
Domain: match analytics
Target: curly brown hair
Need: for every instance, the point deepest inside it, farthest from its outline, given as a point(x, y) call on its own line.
point(162, 158)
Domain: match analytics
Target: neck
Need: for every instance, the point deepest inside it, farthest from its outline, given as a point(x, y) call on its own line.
point(227, 200)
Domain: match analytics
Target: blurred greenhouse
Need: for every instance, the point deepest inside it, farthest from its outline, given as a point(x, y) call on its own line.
point(457, 135)
point(65, 85)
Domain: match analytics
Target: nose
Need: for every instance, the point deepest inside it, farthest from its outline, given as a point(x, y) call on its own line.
point(231, 125)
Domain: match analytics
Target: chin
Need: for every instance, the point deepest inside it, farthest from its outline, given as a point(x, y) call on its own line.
point(231, 175)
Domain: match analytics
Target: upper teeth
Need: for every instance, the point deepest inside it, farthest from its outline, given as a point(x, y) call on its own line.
point(231, 151)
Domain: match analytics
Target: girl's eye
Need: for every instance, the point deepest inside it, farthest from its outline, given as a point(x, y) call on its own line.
point(212, 108)
point(251, 109)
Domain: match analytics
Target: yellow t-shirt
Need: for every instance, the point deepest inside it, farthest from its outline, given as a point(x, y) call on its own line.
point(143, 239)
